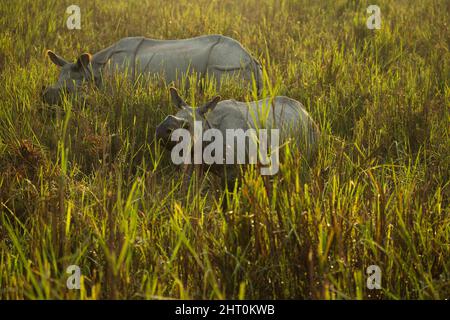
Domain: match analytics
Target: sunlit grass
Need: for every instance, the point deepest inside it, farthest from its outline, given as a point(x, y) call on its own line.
point(85, 184)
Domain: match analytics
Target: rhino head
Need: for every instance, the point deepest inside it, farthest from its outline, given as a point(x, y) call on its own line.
point(71, 77)
point(184, 118)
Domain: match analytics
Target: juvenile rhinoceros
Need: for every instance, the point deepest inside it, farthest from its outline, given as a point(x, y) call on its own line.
point(232, 125)
point(214, 55)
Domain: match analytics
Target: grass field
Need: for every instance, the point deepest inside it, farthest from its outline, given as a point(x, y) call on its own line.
point(86, 185)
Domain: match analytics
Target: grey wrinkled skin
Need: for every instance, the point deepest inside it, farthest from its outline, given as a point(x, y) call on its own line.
point(214, 56)
point(283, 113)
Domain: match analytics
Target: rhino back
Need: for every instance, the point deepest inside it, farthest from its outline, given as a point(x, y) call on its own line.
point(216, 55)
point(176, 57)
point(283, 113)
point(169, 57)
point(228, 58)
point(293, 121)
point(228, 54)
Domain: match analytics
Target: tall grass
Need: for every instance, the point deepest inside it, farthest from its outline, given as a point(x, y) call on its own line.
point(85, 184)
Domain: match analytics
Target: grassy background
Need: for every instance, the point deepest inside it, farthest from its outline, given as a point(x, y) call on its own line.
point(86, 185)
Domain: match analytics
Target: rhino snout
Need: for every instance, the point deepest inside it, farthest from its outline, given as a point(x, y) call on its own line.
point(162, 133)
point(51, 95)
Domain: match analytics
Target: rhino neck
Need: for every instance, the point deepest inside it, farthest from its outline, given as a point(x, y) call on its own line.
point(99, 61)
point(128, 46)
point(102, 57)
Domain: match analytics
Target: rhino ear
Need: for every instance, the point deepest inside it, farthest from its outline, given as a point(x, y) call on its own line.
point(84, 60)
point(59, 61)
point(209, 105)
point(177, 100)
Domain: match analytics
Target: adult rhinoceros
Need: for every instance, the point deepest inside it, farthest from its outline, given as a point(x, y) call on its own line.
point(234, 119)
point(214, 55)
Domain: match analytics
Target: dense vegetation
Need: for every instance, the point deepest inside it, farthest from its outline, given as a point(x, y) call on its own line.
point(85, 183)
